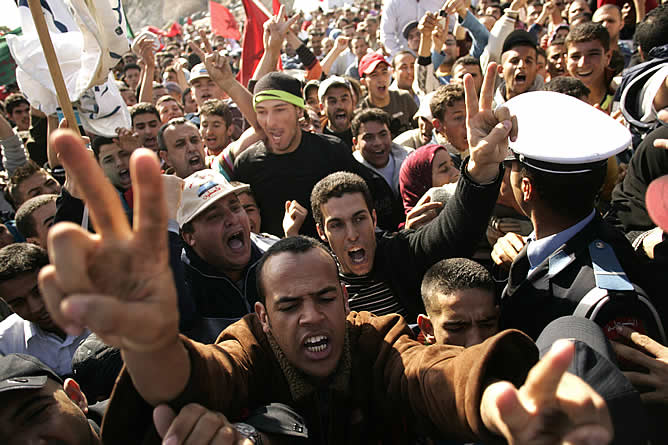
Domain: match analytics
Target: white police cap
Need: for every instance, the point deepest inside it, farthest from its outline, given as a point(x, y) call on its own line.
point(560, 134)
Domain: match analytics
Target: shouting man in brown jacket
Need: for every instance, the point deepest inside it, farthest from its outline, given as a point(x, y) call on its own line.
point(355, 378)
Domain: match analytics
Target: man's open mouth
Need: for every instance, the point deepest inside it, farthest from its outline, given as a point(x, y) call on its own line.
point(317, 343)
point(357, 255)
point(195, 161)
point(236, 240)
point(124, 174)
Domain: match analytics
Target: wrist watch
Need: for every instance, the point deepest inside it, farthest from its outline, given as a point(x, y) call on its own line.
point(249, 432)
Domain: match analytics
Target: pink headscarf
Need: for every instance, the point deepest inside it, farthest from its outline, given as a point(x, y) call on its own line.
point(415, 175)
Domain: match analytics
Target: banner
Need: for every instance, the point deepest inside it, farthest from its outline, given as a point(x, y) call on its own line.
point(89, 39)
point(223, 22)
point(253, 48)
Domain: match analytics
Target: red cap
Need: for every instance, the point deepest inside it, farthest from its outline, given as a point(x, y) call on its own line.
point(656, 200)
point(370, 62)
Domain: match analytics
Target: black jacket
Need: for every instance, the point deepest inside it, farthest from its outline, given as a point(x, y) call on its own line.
point(402, 258)
point(554, 290)
point(210, 301)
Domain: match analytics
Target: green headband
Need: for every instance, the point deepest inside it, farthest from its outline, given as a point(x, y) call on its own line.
point(278, 95)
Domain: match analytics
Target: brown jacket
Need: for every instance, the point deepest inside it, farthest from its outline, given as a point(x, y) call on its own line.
point(386, 386)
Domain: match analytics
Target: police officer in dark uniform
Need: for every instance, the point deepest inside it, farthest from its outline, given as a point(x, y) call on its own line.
point(555, 180)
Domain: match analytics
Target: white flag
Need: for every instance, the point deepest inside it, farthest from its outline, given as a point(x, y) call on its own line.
point(88, 37)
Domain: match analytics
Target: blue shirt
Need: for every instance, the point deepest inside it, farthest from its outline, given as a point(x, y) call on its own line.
point(539, 250)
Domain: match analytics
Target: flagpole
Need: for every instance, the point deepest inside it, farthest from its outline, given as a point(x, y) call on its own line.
point(52, 62)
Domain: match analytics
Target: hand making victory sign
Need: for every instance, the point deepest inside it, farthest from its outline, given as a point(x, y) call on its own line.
point(118, 282)
point(553, 406)
point(487, 130)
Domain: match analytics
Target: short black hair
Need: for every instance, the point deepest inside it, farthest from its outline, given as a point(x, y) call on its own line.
point(336, 185)
point(143, 108)
point(217, 107)
point(292, 244)
point(130, 66)
point(25, 223)
point(21, 258)
point(568, 85)
point(20, 174)
point(450, 275)
point(13, 101)
point(588, 32)
point(652, 32)
point(569, 194)
point(185, 93)
point(445, 96)
point(399, 54)
point(369, 115)
point(99, 141)
point(467, 60)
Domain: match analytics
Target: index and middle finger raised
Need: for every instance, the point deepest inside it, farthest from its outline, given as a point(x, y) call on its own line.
point(474, 106)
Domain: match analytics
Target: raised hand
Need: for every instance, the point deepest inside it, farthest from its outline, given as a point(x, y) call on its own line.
point(146, 51)
point(217, 63)
point(276, 28)
point(461, 7)
point(487, 130)
point(427, 23)
point(552, 407)
point(653, 385)
point(294, 217)
point(71, 185)
point(117, 282)
point(127, 139)
point(341, 43)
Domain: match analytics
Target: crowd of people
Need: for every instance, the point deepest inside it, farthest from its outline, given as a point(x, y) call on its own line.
point(384, 236)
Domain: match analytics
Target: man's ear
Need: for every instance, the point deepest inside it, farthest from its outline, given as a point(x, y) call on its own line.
point(363, 81)
point(230, 130)
point(374, 218)
point(321, 232)
point(354, 143)
point(436, 124)
point(528, 193)
point(188, 238)
point(424, 322)
point(73, 391)
point(499, 68)
point(261, 312)
point(163, 155)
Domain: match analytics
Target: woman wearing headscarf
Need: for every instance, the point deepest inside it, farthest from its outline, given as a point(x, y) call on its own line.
point(428, 166)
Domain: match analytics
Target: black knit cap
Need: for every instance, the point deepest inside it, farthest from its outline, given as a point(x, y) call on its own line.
point(278, 80)
point(519, 37)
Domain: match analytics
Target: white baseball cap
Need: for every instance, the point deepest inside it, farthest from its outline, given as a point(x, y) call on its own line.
point(200, 190)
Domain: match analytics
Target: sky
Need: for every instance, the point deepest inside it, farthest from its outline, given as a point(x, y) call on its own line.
point(9, 16)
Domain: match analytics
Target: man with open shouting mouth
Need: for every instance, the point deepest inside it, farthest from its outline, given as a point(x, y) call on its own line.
point(219, 255)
